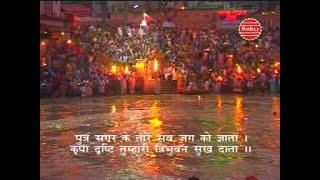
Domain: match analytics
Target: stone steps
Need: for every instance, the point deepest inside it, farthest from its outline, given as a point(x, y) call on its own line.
point(115, 87)
point(167, 87)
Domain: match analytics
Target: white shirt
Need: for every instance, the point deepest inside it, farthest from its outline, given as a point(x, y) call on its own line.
point(129, 32)
point(120, 31)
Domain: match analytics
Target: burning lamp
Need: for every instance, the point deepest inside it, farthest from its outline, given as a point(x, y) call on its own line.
point(258, 70)
point(62, 33)
point(113, 69)
point(43, 43)
point(155, 65)
point(229, 55)
point(276, 71)
point(219, 78)
point(239, 70)
point(126, 69)
point(69, 41)
point(257, 45)
point(140, 66)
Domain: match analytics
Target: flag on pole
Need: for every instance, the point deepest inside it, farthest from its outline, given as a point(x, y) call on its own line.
point(148, 19)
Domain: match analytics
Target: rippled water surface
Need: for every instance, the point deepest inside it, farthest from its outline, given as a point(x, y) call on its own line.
point(258, 117)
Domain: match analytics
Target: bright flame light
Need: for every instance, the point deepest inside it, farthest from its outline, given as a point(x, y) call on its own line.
point(219, 102)
point(155, 65)
point(257, 45)
point(258, 70)
point(219, 78)
point(62, 33)
point(69, 41)
point(136, 6)
point(140, 66)
point(155, 122)
point(238, 102)
point(239, 70)
point(239, 116)
point(113, 109)
point(113, 69)
point(126, 69)
point(229, 55)
point(43, 43)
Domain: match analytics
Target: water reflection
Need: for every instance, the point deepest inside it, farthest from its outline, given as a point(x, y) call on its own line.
point(219, 102)
point(155, 129)
point(156, 115)
point(113, 109)
point(239, 118)
point(276, 111)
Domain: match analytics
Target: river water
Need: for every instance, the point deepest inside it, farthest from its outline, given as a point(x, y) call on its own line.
point(257, 117)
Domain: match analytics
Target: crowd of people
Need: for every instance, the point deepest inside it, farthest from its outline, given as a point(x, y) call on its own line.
point(207, 60)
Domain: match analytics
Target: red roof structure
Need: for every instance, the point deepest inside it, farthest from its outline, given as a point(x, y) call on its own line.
point(77, 10)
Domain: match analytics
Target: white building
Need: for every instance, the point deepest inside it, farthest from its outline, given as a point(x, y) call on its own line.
point(51, 17)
